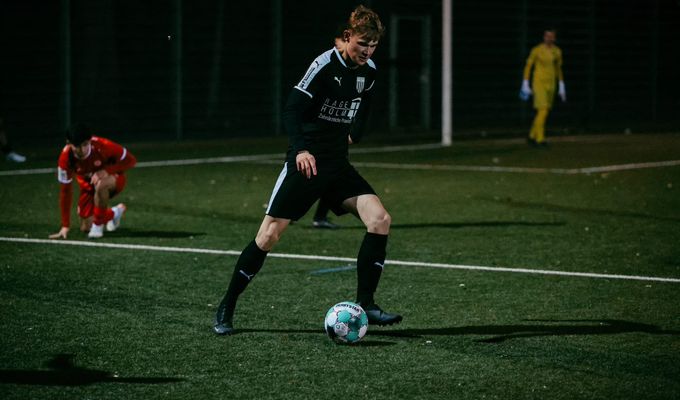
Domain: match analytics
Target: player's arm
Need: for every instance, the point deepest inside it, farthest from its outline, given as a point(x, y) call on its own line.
point(530, 63)
point(65, 200)
point(293, 111)
point(292, 121)
point(120, 159)
point(558, 65)
point(525, 91)
point(298, 102)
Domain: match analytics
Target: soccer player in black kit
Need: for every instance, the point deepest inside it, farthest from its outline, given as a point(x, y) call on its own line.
point(325, 112)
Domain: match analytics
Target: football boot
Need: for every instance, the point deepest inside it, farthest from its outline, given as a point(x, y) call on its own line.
point(223, 325)
point(376, 316)
point(96, 231)
point(118, 212)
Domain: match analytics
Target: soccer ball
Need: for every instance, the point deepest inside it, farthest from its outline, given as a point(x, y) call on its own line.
point(346, 322)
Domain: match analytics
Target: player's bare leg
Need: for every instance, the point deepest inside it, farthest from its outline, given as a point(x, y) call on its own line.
point(270, 232)
point(104, 185)
point(85, 224)
point(371, 258)
point(370, 210)
point(248, 265)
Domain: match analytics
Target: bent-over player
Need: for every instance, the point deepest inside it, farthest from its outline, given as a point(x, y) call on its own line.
point(99, 166)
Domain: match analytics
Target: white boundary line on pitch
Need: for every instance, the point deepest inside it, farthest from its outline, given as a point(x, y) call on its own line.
point(231, 159)
point(277, 159)
point(341, 259)
point(481, 168)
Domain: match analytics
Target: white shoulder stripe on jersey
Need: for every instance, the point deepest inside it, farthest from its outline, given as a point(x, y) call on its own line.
point(316, 66)
point(342, 60)
point(124, 154)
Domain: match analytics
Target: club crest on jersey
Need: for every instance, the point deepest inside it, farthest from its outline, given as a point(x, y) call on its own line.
point(97, 163)
point(361, 81)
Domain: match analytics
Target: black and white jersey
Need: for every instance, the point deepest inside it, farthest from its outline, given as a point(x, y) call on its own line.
point(329, 104)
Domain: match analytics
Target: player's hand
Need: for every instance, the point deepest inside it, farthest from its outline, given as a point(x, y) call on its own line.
point(98, 176)
point(562, 91)
point(306, 163)
point(525, 92)
point(62, 234)
point(349, 139)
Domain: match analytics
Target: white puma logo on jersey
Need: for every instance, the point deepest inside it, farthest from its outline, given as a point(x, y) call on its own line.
point(377, 264)
point(338, 79)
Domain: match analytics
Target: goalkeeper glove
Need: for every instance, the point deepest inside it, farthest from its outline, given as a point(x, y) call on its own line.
point(562, 91)
point(525, 91)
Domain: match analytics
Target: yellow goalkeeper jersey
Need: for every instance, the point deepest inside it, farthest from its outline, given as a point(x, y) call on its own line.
point(548, 65)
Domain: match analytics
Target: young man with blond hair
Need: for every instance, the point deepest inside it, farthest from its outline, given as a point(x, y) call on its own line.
point(325, 113)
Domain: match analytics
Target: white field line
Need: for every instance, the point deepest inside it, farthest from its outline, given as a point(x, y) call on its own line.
point(166, 163)
point(481, 168)
point(278, 158)
point(230, 159)
point(341, 259)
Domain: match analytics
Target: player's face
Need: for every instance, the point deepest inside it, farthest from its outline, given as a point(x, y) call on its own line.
point(82, 150)
point(549, 37)
point(358, 49)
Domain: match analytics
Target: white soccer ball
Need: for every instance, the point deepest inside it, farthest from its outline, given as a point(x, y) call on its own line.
point(346, 322)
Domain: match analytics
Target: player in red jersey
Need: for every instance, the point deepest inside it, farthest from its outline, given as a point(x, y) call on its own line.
point(98, 165)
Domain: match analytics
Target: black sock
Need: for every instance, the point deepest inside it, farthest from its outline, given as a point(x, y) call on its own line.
point(370, 264)
point(321, 213)
point(248, 265)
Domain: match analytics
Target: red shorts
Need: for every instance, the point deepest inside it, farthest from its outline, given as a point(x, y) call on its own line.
point(86, 198)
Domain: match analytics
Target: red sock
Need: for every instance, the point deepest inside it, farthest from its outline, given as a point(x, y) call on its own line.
point(102, 215)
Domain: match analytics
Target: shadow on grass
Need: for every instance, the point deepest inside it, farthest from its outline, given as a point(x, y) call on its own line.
point(501, 333)
point(62, 372)
point(193, 211)
point(363, 343)
point(498, 333)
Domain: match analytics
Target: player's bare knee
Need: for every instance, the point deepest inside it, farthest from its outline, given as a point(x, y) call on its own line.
point(99, 188)
point(379, 223)
point(266, 239)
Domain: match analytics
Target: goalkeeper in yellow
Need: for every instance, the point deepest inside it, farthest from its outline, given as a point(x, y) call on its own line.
point(546, 61)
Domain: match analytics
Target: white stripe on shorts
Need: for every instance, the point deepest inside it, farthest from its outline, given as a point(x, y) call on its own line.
point(277, 186)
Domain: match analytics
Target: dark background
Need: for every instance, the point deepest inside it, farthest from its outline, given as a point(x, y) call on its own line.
point(229, 65)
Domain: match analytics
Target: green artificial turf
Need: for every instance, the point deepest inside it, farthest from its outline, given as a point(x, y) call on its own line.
point(113, 323)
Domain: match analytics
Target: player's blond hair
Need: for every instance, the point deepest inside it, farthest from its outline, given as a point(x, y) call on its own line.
point(364, 21)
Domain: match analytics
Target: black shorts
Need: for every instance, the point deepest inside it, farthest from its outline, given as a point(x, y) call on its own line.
point(294, 194)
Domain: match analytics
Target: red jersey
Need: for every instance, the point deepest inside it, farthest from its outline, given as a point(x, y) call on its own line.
point(103, 154)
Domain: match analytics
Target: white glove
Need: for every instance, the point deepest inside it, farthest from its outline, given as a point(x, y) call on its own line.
point(562, 92)
point(525, 91)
